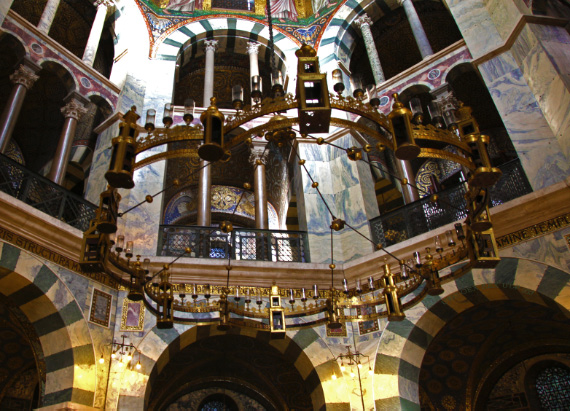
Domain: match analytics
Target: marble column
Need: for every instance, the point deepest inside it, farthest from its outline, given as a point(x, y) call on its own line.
point(72, 112)
point(253, 51)
point(205, 176)
point(409, 190)
point(364, 22)
point(258, 158)
point(23, 78)
point(48, 15)
point(210, 47)
point(96, 30)
point(417, 28)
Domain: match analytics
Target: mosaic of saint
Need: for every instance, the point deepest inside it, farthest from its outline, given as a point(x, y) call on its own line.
point(284, 12)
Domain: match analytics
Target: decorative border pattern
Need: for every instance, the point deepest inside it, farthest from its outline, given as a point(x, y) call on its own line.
point(536, 230)
point(337, 332)
point(56, 258)
point(100, 308)
point(367, 326)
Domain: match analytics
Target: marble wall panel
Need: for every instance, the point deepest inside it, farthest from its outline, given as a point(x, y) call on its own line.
point(141, 225)
point(504, 14)
point(368, 191)
point(132, 95)
point(4, 7)
point(542, 53)
point(317, 214)
point(344, 174)
point(320, 247)
point(537, 147)
point(550, 249)
point(350, 206)
point(319, 171)
point(96, 182)
point(476, 25)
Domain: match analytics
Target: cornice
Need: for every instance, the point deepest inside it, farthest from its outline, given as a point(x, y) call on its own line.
point(49, 233)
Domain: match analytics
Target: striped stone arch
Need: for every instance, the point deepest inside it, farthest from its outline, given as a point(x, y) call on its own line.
point(403, 344)
point(303, 349)
point(339, 38)
point(231, 27)
point(71, 371)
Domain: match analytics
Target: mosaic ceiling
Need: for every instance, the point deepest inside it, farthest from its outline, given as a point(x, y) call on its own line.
point(303, 20)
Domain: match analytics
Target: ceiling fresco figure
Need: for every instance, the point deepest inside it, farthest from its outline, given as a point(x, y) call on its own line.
point(182, 5)
point(284, 10)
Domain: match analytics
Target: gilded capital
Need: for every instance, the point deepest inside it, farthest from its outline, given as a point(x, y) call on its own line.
point(363, 20)
point(252, 47)
point(24, 76)
point(258, 155)
point(103, 3)
point(73, 109)
point(210, 45)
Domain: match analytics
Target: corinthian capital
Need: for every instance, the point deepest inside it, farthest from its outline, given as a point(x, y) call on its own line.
point(363, 20)
point(25, 76)
point(252, 47)
point(210, 45)
point(103, 3)
point(73, 109)
point(258, 155)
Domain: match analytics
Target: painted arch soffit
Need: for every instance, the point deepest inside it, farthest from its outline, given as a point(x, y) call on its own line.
point(295, 19)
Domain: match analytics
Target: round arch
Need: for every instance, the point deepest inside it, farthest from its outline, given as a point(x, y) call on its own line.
point(15, 44)
point(403, 344)
point(61, 72)
point(161, 346)
point(55, 315)
point(169, 45)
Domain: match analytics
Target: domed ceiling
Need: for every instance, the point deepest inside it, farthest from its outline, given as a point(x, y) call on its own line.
point(302, 20)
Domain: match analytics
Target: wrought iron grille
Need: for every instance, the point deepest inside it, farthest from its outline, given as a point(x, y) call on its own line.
point(240, 244)
point(44, 195)
point(422, 216)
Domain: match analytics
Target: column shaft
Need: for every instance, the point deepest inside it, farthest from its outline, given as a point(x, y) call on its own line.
point(48, 15)
point(205, 177)
point(204, 194)
point(211, 46)
point(23, 78)
point(364, 23)
point(258, 158)
point(95, 33)
point(253, 51)
point(417, 28)
point(259, 187)
point(409, 190)
point(72, 112)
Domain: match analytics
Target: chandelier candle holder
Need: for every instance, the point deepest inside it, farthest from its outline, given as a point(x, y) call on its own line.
point(275, 308)
point(123, 354)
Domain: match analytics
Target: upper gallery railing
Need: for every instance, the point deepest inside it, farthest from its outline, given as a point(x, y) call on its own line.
point(240, 244)
point(44, 195)
point(422, 216)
